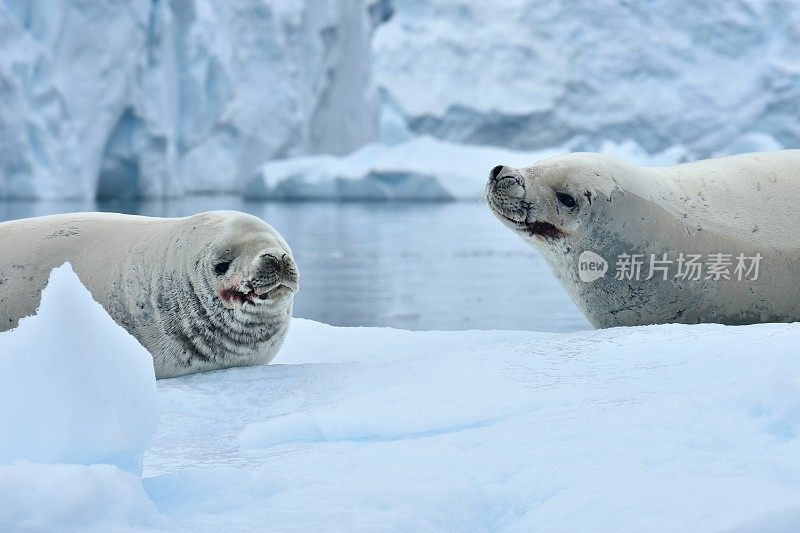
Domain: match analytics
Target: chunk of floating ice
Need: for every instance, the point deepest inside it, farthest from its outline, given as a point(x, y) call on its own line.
point(75, 387)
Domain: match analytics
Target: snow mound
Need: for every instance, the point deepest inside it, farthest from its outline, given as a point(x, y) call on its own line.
point(419, 168)
point(45, 497)
point(526, 75)
point(75, 387)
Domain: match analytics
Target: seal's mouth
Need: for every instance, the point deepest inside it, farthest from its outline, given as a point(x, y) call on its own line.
point(251, 297)
point(537, 228)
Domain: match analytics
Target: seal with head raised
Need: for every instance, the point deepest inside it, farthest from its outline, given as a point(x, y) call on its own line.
point(716, 240)
point(208, 291)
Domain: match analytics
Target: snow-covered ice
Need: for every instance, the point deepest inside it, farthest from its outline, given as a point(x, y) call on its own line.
point(660, 428)
point(417, 168)
point(74, 386)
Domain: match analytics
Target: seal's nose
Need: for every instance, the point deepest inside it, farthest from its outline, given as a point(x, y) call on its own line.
point(288, 263)
point(496, 171)
point(506, 183)
point(272, 263)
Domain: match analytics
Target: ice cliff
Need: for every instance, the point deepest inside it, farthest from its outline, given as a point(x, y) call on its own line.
point(529, 74)
point(164, 97)
point(158, 98)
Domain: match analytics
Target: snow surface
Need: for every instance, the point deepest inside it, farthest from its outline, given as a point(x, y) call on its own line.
point(526, 75)
point(74, 386)
point(660, 428)
point(418, 168)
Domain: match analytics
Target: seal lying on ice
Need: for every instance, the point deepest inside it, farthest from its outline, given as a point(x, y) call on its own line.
point(712, 241)
point(208, 291)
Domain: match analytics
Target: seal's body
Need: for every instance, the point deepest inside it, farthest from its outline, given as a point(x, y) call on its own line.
point(208, 291)
point(735, 216)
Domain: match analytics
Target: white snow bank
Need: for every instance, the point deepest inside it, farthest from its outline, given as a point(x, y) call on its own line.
point(74, 386)
point(419, 168)
point(664, 428)
point(37, 497)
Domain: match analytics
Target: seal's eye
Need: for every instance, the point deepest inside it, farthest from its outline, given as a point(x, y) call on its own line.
point(566, 199)
point(221, 268)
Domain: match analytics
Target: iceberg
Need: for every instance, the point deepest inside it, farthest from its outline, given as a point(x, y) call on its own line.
point(158, 99)
point(418, 168)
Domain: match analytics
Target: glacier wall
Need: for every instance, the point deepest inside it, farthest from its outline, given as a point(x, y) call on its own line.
point(529, 74)
point(155, 98)
point(158, 98)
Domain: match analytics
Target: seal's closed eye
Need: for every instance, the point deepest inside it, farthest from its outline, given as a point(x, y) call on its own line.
point(221, 268)
point(566, 199)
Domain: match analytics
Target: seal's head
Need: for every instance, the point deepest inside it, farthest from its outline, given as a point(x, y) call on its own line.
point(250, 265)
point(547, 203)
point(227, 293)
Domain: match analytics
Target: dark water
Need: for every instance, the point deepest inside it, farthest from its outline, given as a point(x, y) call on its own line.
point(412, 265)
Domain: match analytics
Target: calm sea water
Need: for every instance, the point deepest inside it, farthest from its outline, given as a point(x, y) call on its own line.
point(419, 266)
